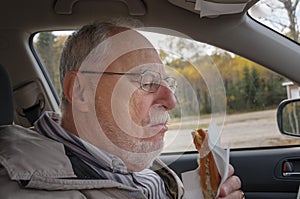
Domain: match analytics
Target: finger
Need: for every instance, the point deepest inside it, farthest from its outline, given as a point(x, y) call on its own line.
point(234, 195)
point(232, 184)
point(230, 170)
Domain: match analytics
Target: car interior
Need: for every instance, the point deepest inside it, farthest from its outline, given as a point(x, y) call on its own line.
point(27, 90)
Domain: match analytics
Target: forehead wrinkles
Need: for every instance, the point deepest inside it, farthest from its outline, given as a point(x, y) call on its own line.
point(142, 58)
point(113, 48)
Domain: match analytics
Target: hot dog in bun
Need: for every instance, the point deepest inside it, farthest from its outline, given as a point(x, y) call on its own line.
point(208, 171)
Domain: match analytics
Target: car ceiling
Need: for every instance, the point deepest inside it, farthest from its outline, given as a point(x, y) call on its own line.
point(236, 32)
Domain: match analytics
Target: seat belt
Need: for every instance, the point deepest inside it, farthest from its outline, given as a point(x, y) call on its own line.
point(33, 113)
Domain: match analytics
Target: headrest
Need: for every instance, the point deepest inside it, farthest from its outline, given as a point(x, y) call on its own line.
point(6, 99)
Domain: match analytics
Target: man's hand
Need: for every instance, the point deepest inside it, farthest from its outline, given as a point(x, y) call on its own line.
point(230, 189)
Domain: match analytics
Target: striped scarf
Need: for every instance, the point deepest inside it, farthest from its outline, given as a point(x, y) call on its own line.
point(105, 164)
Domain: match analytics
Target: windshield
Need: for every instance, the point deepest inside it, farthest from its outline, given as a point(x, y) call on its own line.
point(280, 15)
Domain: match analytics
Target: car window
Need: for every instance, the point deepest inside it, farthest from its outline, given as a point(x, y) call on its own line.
point(282, 16)
point(208, 79)
point(48, 46)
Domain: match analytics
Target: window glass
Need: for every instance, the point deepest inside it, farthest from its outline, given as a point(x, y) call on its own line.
point(48, 45)
point(206, 76)
point(282, 16)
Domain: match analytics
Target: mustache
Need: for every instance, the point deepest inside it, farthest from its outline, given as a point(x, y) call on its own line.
point(158, 117)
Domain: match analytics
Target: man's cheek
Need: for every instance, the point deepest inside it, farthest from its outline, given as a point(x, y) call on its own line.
point(138, 108)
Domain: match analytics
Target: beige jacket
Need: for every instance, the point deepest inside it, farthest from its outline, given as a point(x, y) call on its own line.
point(41, 166)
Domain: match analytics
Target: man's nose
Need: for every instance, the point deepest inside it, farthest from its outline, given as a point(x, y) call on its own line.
point(165, 96)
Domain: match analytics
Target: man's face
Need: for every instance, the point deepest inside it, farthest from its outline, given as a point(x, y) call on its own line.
point(134, 120)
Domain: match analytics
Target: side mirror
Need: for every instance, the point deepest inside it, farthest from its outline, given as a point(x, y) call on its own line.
point(288, 117)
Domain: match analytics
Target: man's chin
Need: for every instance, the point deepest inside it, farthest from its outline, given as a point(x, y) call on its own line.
point(141, 160)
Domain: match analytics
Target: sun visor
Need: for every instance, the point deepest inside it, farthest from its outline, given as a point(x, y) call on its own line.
point(212, 8)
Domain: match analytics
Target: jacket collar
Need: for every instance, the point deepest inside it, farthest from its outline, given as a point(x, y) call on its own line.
point(24, 154)
point(41, 162)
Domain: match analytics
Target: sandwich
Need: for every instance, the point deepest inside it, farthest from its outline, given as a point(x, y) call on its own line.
point(210, 177)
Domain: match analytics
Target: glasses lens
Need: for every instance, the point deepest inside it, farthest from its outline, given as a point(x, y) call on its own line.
point(172, 83)
point(150, 81)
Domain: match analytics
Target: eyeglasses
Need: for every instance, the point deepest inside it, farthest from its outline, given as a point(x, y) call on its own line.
point(149, 80)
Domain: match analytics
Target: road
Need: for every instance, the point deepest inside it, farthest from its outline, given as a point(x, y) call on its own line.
point(255, 129)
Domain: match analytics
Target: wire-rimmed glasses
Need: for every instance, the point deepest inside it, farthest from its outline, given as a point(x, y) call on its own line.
point(149, 80)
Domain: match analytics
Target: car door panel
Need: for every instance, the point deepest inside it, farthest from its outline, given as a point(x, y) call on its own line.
point(260, 170)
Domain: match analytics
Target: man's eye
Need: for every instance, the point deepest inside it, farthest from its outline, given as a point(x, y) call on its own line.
point(150, 86)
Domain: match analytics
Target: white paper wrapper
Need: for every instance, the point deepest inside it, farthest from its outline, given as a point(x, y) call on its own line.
point(298, 195)
point(191, 179)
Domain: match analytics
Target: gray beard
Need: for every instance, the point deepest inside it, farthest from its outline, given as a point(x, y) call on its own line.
point(139, 158)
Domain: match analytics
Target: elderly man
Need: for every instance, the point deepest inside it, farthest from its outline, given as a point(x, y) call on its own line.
point(116, 98)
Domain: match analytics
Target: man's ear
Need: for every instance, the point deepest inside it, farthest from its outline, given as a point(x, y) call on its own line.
point(73, 90)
